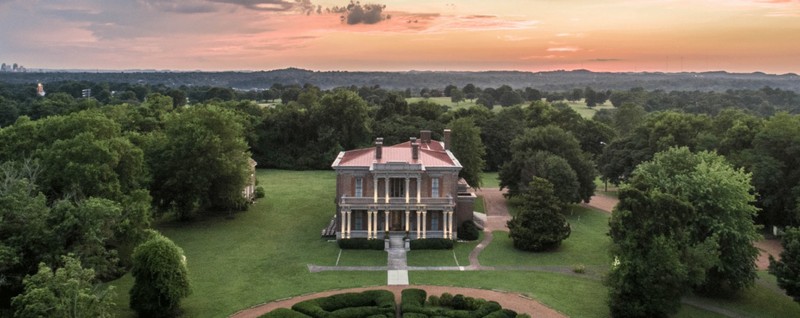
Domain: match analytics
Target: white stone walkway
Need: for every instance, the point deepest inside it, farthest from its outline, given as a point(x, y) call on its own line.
point(397, 273)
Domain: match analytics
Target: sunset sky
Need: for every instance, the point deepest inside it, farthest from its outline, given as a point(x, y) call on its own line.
point(469, 35)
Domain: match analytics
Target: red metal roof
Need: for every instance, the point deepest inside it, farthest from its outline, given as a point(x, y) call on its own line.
point(430, 155)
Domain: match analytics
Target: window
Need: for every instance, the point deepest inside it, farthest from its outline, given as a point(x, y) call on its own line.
point(397, 187)
point(434, 221)
point(359, 222)
point(359, 187)
point(435, 187)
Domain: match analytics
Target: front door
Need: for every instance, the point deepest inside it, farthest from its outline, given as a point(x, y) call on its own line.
point(397, 221)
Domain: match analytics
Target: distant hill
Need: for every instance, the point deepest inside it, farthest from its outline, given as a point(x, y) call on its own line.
point(550, 81)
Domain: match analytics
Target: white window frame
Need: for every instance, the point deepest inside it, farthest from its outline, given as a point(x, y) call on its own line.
point(434, 187)
point(359, 187)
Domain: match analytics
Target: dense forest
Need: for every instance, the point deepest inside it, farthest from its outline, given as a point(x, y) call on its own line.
point(416, 80)
point(86, 176)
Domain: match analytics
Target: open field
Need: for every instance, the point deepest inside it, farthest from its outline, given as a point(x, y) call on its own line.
point(261, 255)
point(587, 245)
point(585, 111)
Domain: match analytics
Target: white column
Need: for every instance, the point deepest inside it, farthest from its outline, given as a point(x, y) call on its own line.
point(408, 218)
point(450, 223)
point(375, 189)
point(349, 225)
point(343, 221)
point(407, 199)
point(386, 194)
point(369, 224)
point(386, 221)
point(424, 223)
point(444, 224)
point(418, 224)
point(419, 188)
point(375, 227)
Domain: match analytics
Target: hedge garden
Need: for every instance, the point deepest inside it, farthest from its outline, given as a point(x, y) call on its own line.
point(380, 304)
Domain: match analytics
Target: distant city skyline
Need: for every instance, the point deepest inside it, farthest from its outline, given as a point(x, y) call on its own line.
point(401, 35)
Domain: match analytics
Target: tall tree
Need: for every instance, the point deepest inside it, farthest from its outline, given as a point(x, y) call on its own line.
point(787, 269)
point(776, 172)
point(345, 114)
point(200, 163)
point(70, 291)
point(467, 146)
point(695, 209)
point(161, 278)
point(540, 226)
point(556, 141)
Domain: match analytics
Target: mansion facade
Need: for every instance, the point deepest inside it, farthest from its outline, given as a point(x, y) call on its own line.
point(410, 188)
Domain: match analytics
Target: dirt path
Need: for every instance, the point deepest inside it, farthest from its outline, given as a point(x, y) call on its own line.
point(496, 210)
point(602, 203)
point(516, 302)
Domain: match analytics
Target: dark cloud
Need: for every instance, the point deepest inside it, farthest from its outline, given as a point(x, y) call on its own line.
point(605, 60)
point(178, 6)
point(267, 5)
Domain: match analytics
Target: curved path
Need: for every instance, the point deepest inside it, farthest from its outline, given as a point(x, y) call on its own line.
point(516, 302)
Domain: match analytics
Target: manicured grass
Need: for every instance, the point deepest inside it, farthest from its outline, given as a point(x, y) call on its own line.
point(490, 180)
point(585, 111)
point(758, 301)
point(588, 244)
point(609, 190)
point(443, 258)
point(574, 296)
point(362, 258)
point(445, 101)
point(689, 311)
point(262, 254)
point(479, 206)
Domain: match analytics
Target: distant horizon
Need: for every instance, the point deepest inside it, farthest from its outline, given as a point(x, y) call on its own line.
point(71, 70)
point(668, 36)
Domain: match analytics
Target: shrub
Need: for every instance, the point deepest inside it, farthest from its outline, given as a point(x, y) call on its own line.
point(361, 244)
point(433, 300)
point(414, 315)
point(579, 269)
point(468, 231)
point(459, 302)
point(431, 244)
point(412, 297)
point(349, 305)
point(260, 192)
point(284, 313)
point(161, 279)
point(446, 300)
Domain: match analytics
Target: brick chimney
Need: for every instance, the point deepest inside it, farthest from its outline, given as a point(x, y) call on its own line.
point(447, 139)
point(378, 148)
point(425, 135)
point(414, 148)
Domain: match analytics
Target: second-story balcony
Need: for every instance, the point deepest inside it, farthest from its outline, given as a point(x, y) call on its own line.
point(396, 203)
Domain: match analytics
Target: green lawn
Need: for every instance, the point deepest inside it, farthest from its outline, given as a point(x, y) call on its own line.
point(490, 180)
point(443, 258)
point(479, 206)
point(574, 296)
point(262, 255)
point(587, 245)
point(445, 101)
point(605, 189)
point(585, 111)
